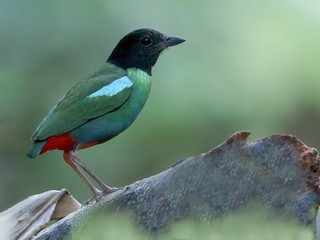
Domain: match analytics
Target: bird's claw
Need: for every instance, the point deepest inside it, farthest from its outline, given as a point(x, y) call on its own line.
point(99, 194)
point(107, 190)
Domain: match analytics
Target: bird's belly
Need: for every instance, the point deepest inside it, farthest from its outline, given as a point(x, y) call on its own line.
point(107, 126)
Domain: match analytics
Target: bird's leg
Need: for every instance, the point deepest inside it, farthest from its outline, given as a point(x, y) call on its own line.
point(78, 161)
point(68, 158)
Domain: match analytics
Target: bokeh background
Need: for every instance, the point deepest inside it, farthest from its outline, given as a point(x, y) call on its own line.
point(245, 65)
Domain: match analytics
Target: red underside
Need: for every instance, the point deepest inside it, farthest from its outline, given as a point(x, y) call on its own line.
point(63, 142)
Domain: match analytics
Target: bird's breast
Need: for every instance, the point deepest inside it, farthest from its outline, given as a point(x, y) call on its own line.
point(141, 89)
point(111, 124)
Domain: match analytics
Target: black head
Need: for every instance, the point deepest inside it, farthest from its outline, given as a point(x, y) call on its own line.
point(141, 49)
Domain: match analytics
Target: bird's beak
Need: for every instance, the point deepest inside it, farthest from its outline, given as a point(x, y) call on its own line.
point(170, 41)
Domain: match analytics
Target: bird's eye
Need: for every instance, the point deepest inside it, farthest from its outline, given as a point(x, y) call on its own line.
point(145, 41)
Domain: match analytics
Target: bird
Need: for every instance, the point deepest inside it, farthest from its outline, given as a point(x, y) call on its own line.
point(102, 105)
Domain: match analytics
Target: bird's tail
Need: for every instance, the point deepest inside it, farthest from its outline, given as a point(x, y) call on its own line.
point(35, 148)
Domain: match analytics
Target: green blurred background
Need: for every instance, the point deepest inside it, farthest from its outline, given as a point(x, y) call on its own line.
point(246, 65)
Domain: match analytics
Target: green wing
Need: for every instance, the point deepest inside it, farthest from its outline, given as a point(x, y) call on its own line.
point(80, 104)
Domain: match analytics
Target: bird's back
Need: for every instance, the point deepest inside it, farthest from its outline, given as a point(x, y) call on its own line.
point(94, 110)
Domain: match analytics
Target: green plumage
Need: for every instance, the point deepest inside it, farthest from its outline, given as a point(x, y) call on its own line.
point(75, 108)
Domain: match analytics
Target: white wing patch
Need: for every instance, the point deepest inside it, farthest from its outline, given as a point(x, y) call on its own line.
point(113, 88)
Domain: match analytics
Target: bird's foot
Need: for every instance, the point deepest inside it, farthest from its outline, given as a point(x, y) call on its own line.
point(95, 198)
point(107, 190)
point(99, 194)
